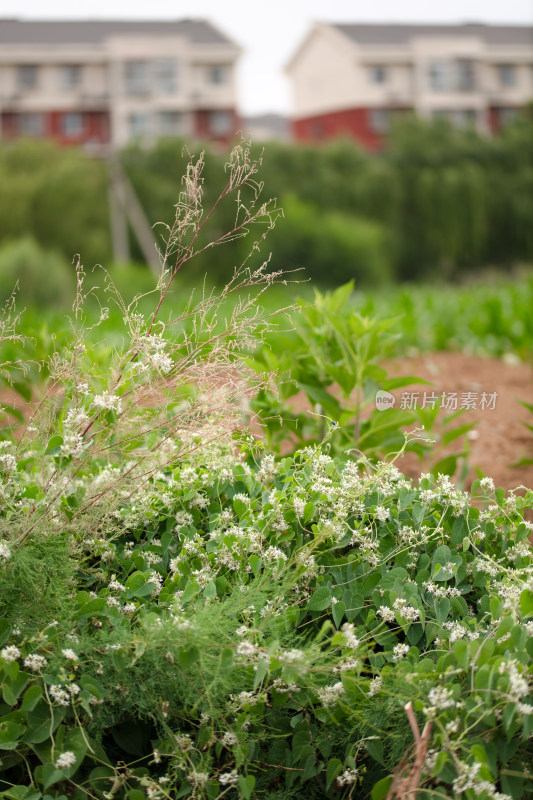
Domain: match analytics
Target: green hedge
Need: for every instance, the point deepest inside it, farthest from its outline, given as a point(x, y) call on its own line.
point(438, 202)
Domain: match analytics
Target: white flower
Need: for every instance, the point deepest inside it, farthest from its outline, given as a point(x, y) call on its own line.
point(440, 699)
point(70, 654)
point(330, 694)
point(386, 613)
point(245, 649)
point(34, 661)
point(8, 462)
point(487, 484)
point(59, 695)
point(409, 613)
point(229, 739)
point(229, 778)
point(399, 651)
point(348, 776)
point(274, 554)
point(350, 639)
point(10, 653)
point(299, 506)
point(65, 760)
point(382, 513)
point(5, 552)
point(375, 686)
point(108, 401)
point(197, 778)
point(292, 655)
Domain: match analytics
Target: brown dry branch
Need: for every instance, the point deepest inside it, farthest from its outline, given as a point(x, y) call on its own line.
point(406, 776)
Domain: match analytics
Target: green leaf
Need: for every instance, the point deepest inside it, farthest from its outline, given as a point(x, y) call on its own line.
point(188, 655)
point(320, 599)
point(526, 603)
point(53, 449)
point(47, 775)
point(246, 785)
point(190, 591)
point(455, 433)
point(442, 608)
point(23, 388)
point(12, 411)
point(10, 733)
point(32, 695)
point(375, 748)
point(381, 789)
point(337, 612)
point(42, 722)
point(255, 562)
point(21, 793)
point(309, 512)
point(12, 689)
point(333, 770)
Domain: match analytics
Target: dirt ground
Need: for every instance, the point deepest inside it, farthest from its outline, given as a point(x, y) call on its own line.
point(500, 438)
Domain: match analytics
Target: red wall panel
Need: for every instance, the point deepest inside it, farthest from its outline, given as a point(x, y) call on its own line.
point(352, 122)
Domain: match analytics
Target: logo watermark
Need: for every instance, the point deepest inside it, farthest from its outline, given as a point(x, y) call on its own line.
point(384, 400)
point(447, 401)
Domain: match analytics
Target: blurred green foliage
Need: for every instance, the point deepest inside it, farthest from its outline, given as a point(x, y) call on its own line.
point(58, 197)
point(437, 204)
point(42, 277)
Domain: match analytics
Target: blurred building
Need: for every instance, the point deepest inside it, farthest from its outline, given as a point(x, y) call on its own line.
point(267, 127)
point(102, 84)
point(350, 80)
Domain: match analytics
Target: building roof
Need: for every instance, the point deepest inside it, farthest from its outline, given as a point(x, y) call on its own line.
point(14, 31)
point(397, 34)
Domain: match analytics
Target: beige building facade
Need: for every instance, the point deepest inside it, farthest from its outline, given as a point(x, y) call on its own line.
point(352, 79)
point(104, 84)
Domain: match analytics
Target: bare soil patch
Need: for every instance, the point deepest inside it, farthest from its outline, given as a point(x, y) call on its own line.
point(500, 438)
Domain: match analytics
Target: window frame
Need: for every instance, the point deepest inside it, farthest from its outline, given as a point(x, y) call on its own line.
point(68, 84)
point(378, 74)
point(23, 83)
point(135, 86)
point(74, 131)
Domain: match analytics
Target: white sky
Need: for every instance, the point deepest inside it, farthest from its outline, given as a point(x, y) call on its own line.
point(269, 32)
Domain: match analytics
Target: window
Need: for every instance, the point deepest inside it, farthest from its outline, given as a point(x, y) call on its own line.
point(377, 73)
point(72, 125)
point(170, 123)
point(165, 76)
point(465, 75)
point(217, 74)
point(70, 76)
point(438, 75)
point(453, 76)
point(221, 123)
point(506, 74)
point(138, 124)
point(136, 77)
point(379, 119)
point(30, 124)
point(26, 76)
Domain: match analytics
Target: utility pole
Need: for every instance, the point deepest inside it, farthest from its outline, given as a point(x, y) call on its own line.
point(124, 207)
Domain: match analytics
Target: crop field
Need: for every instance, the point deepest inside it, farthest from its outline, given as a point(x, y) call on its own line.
point(239, 558)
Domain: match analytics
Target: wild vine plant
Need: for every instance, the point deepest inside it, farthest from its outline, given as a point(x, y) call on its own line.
point(174, 384)
point(181, 618)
